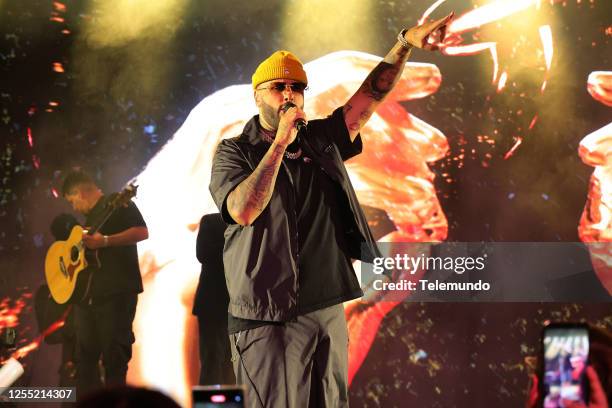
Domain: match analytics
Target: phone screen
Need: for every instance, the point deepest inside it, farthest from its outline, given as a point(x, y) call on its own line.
point(218, 396)
point(566, 351)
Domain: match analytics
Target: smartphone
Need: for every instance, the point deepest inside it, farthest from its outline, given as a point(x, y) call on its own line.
point(565, 355)
point(213, 396)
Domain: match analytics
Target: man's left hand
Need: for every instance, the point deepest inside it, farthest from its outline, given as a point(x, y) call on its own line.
point(429, 35)
point(94, 241)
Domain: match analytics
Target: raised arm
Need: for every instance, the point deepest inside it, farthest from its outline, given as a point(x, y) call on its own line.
point(382, 79)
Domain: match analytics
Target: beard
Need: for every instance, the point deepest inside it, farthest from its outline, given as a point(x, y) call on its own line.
point(270, 115)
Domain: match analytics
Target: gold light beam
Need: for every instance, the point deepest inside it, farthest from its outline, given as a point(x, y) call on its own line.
point(119, 22)
point(123, 47)
point(314, 27)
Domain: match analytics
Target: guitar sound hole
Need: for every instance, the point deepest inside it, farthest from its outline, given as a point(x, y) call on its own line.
point(74, 254)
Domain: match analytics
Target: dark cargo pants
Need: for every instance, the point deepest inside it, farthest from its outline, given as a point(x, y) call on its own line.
point(104, 329)
point(302, 363)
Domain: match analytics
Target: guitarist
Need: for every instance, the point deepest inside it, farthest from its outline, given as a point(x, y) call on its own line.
point(104, 319)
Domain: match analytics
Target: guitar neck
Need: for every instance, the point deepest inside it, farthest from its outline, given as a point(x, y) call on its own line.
point(102, 220)
point(113, 202)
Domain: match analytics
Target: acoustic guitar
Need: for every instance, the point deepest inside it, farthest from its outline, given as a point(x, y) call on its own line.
point(69, 266)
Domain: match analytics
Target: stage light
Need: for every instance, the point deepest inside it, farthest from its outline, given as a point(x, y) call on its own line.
point(119, 22)
point(312, 28)
point(123, 47)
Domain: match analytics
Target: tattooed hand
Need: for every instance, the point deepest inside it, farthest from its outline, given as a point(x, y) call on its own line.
point(429, 35)
point(287, 132)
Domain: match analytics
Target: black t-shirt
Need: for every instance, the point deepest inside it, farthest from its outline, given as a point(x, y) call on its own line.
point(322, 258)
point(119, 272)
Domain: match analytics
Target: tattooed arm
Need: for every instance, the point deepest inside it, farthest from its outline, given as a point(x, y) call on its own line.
point(251, 197)
point(359, 108)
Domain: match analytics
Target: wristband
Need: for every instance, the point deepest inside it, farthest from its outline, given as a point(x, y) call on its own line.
point(105, 240)
point(402, 39)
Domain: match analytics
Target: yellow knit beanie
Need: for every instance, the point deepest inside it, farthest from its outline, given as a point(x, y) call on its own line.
point(280, 65)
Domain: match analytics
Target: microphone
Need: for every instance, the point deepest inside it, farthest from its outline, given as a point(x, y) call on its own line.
point(300, 124)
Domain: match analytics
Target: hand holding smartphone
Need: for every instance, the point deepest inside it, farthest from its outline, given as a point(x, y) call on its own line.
point(565, 355)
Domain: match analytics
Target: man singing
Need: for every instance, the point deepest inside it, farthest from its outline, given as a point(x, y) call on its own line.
point(295, 224)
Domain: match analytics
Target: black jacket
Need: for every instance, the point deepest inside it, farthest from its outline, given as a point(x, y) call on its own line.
point(261, 259)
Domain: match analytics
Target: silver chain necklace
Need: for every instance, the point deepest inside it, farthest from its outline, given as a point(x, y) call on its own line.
point(292, 156)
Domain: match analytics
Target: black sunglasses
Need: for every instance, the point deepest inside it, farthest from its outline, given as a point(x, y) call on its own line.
point(280, 87)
